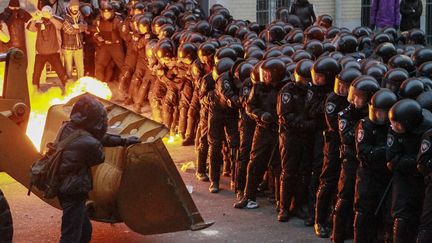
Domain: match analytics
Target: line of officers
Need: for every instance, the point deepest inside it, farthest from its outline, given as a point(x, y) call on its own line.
point(336, 122)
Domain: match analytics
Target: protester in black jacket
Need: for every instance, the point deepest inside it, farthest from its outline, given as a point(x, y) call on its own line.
point(74, 172)
point(411, 11)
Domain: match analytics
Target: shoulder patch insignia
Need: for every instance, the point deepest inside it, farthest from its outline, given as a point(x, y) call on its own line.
point(342, 124)
point(226, 84)
point(286, 97)
point(360, 135)
point(330, 107)
point(245, 91)
point(390, 140)
point(309, 95)
point(425, 145)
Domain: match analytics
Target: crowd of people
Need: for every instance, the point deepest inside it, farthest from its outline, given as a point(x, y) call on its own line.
point(334, 122)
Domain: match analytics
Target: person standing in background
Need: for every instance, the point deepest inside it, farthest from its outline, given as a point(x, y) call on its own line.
point(15, 19)
point(385, 13)
point(304, 10)
point(72, 44)
point(411, 11)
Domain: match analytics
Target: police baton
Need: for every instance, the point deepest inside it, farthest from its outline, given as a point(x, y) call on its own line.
point(384, 196)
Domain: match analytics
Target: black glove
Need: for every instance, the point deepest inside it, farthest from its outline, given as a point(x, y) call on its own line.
point(131, 140)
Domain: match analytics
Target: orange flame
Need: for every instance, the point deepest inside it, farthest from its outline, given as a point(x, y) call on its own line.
point(41, 102)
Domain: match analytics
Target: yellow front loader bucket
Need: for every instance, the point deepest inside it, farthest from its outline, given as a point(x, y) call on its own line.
point(138, 185)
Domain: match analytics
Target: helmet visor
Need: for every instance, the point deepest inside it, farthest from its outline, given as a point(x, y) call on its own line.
point(341, 88)
point(378, 116)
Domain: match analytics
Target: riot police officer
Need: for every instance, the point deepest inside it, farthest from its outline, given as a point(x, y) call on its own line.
point(361, 90)
point(295, 142)
point(408, 123)
point(108, 40)
point(223, 119)
point(372, 175)
point(261, 106)
point(335, 102)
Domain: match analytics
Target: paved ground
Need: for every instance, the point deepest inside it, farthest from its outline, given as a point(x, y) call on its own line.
point(35, 221)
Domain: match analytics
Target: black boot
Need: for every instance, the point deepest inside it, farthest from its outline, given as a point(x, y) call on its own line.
point(285, 202)
point(321, 231)
point(214, 187)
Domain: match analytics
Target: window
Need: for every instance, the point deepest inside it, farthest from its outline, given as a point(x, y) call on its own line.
point(429, 22)
point(365, 12)
point(266, 9)
point(263, 11)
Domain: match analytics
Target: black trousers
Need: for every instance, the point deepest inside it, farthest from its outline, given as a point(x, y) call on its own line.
point(193, 116)
point(186, 96)
point(317, 164)
point(76, 225)
point(407, 200)
point(343, 213)
point(247, 128)
point(264, 145)
point(221, 124)
point(104, 55)
point(202, 144)
point(296, 152)
point(329, 177)
point(370, 187)
point(54, 60)
point(425, 228)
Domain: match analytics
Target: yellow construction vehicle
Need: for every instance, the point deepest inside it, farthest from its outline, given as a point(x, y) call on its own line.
point(138, 185)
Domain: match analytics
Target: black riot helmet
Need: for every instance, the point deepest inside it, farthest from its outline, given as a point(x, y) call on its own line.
point(425, 70)
point(144, 25)
point(380, 104)
point(165, 50)
point(390, 31)
point(107, 11)
point(255, 74)
point(295, 21)
point(332, 32)
point(215, 7)
point(225, 52)
point(314, 47)
point(405, 115)
point(231, 29)
point(275, 33)
point(328, 47)
point(138, 8)
point(425, 100)
point(302, 72)
point(347, 44)
point(257, 53)
point(325, 21)
point(411, 88)
point(314, 33)
point(381, 38)
point(360, 31)
point(187, 53)
point(166, 31)
point(157, 7)
point(402, 61)
point(336, 55)
point(376, 71)
point(394, 78)
point(427, 82)
point(421, 56)
point(272, 53)
point(272, 71)
point(361, 90)
point(218, 22)
point(224, 65)
point(287, 49)
point(206, 52)
point(238, 48)
point(344, 80)
point(324, 71)
point(385, 51)
point(301, 55)
point(243, 71)
point(364, 42)
point(295, 36)
point(203, 27)
point(416, 37)
point(158, 22)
